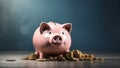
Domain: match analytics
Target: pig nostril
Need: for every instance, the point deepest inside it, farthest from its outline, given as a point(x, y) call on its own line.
point(60, 38)
point(57, 38)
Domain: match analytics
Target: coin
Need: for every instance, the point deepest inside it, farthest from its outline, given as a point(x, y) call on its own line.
point(10, 60)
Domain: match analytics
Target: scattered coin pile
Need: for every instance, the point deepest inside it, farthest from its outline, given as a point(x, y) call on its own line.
point(74, 55)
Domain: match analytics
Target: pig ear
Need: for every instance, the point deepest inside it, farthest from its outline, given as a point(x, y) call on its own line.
point(44, 26)
point(67, 26)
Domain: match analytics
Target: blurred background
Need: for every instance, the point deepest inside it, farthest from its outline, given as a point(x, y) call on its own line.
point(96, 23)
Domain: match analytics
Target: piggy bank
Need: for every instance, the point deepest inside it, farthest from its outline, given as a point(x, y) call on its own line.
point(52, 38)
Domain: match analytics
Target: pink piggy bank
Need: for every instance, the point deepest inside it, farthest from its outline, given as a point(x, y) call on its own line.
point(52, 38)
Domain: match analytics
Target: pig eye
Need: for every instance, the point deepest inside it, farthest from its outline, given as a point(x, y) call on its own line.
point(63, 33)
point(49, 32)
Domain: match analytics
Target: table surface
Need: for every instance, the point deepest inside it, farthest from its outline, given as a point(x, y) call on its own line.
point(110, 61)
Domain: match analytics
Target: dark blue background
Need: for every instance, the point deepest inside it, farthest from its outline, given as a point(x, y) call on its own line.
point(96, 23)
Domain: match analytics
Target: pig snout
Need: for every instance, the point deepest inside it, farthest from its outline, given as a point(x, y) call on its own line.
point(57, 39)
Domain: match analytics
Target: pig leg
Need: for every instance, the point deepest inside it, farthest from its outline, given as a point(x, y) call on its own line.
point(64, 54)
point(67, 50)
point(41, 55)
point(36, 52)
